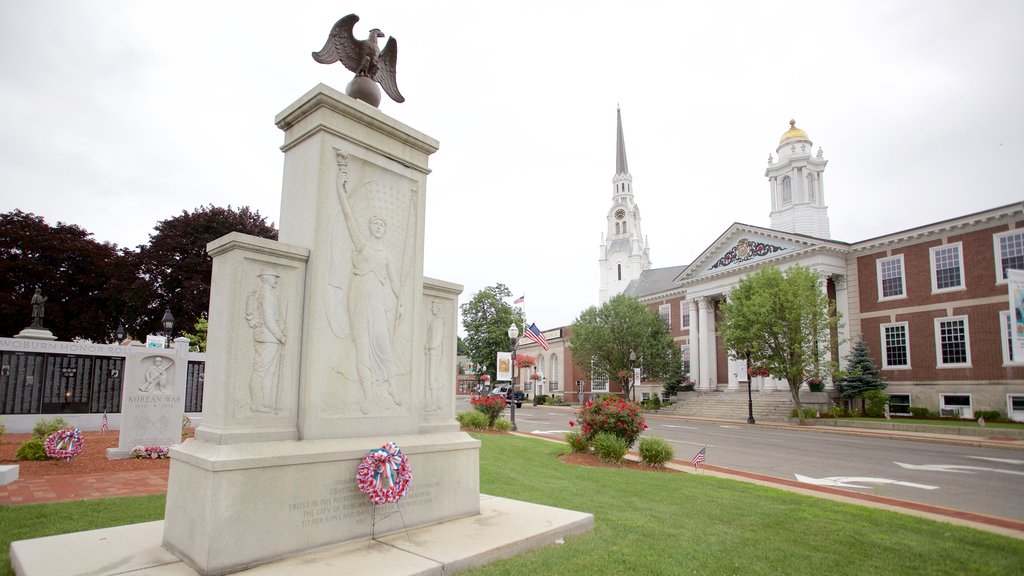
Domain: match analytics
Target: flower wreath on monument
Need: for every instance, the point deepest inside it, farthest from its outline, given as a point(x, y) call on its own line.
point(384, 474)
point(64, 443)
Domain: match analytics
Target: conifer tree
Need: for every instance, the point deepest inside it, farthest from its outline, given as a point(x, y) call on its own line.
point(861, 374)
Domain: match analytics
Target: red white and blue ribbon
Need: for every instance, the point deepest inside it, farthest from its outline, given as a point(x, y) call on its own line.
point(384, 474)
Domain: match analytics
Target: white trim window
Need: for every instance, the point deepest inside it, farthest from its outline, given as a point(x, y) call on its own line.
point(952, 342)
point(899, 404)
point(947, 267)
point(891, 279)
point(1006, 331)
point(1015, 407)
point(956, 406)
point(1009, 253)
point(684, 314)
point(665, 311)
point(895, 346)
point(685, 353)
point(599, 385)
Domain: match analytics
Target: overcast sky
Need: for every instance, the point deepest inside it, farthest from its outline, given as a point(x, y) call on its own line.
point(120, 114)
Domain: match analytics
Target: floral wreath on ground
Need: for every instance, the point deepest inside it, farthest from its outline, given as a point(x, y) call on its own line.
point(153, 452)
point(64, 443)
point(384, 474)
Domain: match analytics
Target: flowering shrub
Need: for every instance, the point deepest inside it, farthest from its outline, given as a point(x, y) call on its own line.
point(524, 361)
point(577, 442)
point(756, 371)
point(491, 406)
point(615, 416)
point(150, 452)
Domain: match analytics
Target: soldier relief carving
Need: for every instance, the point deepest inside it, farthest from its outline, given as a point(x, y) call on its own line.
point(434, 350)
point(368, 278)
point(263, 314)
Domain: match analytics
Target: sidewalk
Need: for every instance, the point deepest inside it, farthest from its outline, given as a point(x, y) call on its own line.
point(50, 489)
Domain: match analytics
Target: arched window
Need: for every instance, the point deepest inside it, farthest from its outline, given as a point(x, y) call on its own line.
point(617, 228)
point(553, 378)
point(623, 227)
point(787, 191)
point(540, 369)
point(812, 187)
point(619, 266)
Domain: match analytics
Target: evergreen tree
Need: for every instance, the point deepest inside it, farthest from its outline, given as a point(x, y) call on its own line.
point(861, 374)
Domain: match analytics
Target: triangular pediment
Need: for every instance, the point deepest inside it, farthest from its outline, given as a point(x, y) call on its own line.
point(743, 245)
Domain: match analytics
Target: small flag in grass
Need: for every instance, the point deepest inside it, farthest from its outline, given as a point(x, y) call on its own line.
point(699, 457)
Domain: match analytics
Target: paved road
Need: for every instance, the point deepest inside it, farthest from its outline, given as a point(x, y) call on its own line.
point(977, 479)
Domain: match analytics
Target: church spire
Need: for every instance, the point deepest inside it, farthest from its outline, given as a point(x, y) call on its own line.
point(621, 166)
point(624, 250)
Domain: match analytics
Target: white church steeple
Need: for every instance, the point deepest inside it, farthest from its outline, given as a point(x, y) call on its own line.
point(624, 250)
point(797, 186)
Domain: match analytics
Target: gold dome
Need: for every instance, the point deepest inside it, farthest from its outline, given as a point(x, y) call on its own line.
point(793, 132)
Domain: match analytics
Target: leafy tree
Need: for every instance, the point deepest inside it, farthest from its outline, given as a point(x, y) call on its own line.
point(461, 348)
point(83, 280)
point(674, 376)
point(603, 338)
point(782, 322)
point(197, 341)
point(861, 375)
point(486, 319)
point(175, 263)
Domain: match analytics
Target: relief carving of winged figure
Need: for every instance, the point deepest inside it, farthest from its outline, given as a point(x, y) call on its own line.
point(364, 58)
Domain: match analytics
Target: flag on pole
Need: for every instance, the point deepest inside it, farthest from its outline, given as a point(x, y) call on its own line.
point(104, 423)
point(534, 334)
point(520, 300)
point(981, 421)
point(699, 457)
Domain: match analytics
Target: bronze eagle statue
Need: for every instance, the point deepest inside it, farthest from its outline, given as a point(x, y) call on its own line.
point(362, 57)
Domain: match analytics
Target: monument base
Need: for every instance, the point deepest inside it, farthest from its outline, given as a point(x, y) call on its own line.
point(234, 506)
point(35, 334)
point(503, 528)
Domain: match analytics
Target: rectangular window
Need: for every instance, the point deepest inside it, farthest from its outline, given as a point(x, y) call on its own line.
point(1009, 248)
point(684, 314)
point(947, 267)
point(899, 403)
point(599, 385)
point(955, 406)
point(1015, 406)
point(1006, 330)
point(686, 358)
point(890, 278)
point(952, 346)
point(665, 311)
point(895, 346)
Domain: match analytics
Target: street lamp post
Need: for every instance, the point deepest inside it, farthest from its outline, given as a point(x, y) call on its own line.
point(632, 361)
point(513, 335)
point(168, 322)
point(120, 333)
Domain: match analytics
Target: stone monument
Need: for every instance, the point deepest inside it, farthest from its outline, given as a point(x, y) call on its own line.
point(323, 346)
point(152, 398)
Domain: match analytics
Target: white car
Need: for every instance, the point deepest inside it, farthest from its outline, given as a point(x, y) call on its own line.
point(506, 391)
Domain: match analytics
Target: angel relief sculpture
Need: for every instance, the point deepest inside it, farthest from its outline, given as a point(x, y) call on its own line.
point(369, 270)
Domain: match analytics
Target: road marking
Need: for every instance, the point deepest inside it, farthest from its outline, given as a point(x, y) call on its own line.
point(674, 426)
point(955, 468)
point(691, 443)
point(1002, 460)
point(728, 426)
point(852, 482)
point(550, 432)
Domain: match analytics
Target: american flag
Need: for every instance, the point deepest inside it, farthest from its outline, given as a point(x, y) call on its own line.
point(104, 423)
point(699, 457)
point(520, 300)
point(534, 334)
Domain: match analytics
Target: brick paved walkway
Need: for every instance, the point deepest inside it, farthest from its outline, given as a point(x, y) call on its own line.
point(49, 489)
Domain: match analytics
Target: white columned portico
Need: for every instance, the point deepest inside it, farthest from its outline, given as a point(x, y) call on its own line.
point(695, 324)
point(704, 331)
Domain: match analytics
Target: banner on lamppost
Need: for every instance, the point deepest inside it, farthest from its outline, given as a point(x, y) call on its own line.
point(1015, 280)
point(504, 367)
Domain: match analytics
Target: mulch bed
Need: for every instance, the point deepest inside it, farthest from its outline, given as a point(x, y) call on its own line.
point(92, 458)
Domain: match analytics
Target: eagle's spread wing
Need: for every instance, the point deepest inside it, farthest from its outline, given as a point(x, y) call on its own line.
point(387, 63)
point(341, 45)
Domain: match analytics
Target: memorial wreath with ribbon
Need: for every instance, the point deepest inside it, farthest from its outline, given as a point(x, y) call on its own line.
point(384, 474)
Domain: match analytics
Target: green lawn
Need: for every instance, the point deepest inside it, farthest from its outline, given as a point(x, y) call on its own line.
point(654, 523)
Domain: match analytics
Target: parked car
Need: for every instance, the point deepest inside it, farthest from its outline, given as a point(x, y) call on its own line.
point(506, 391)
